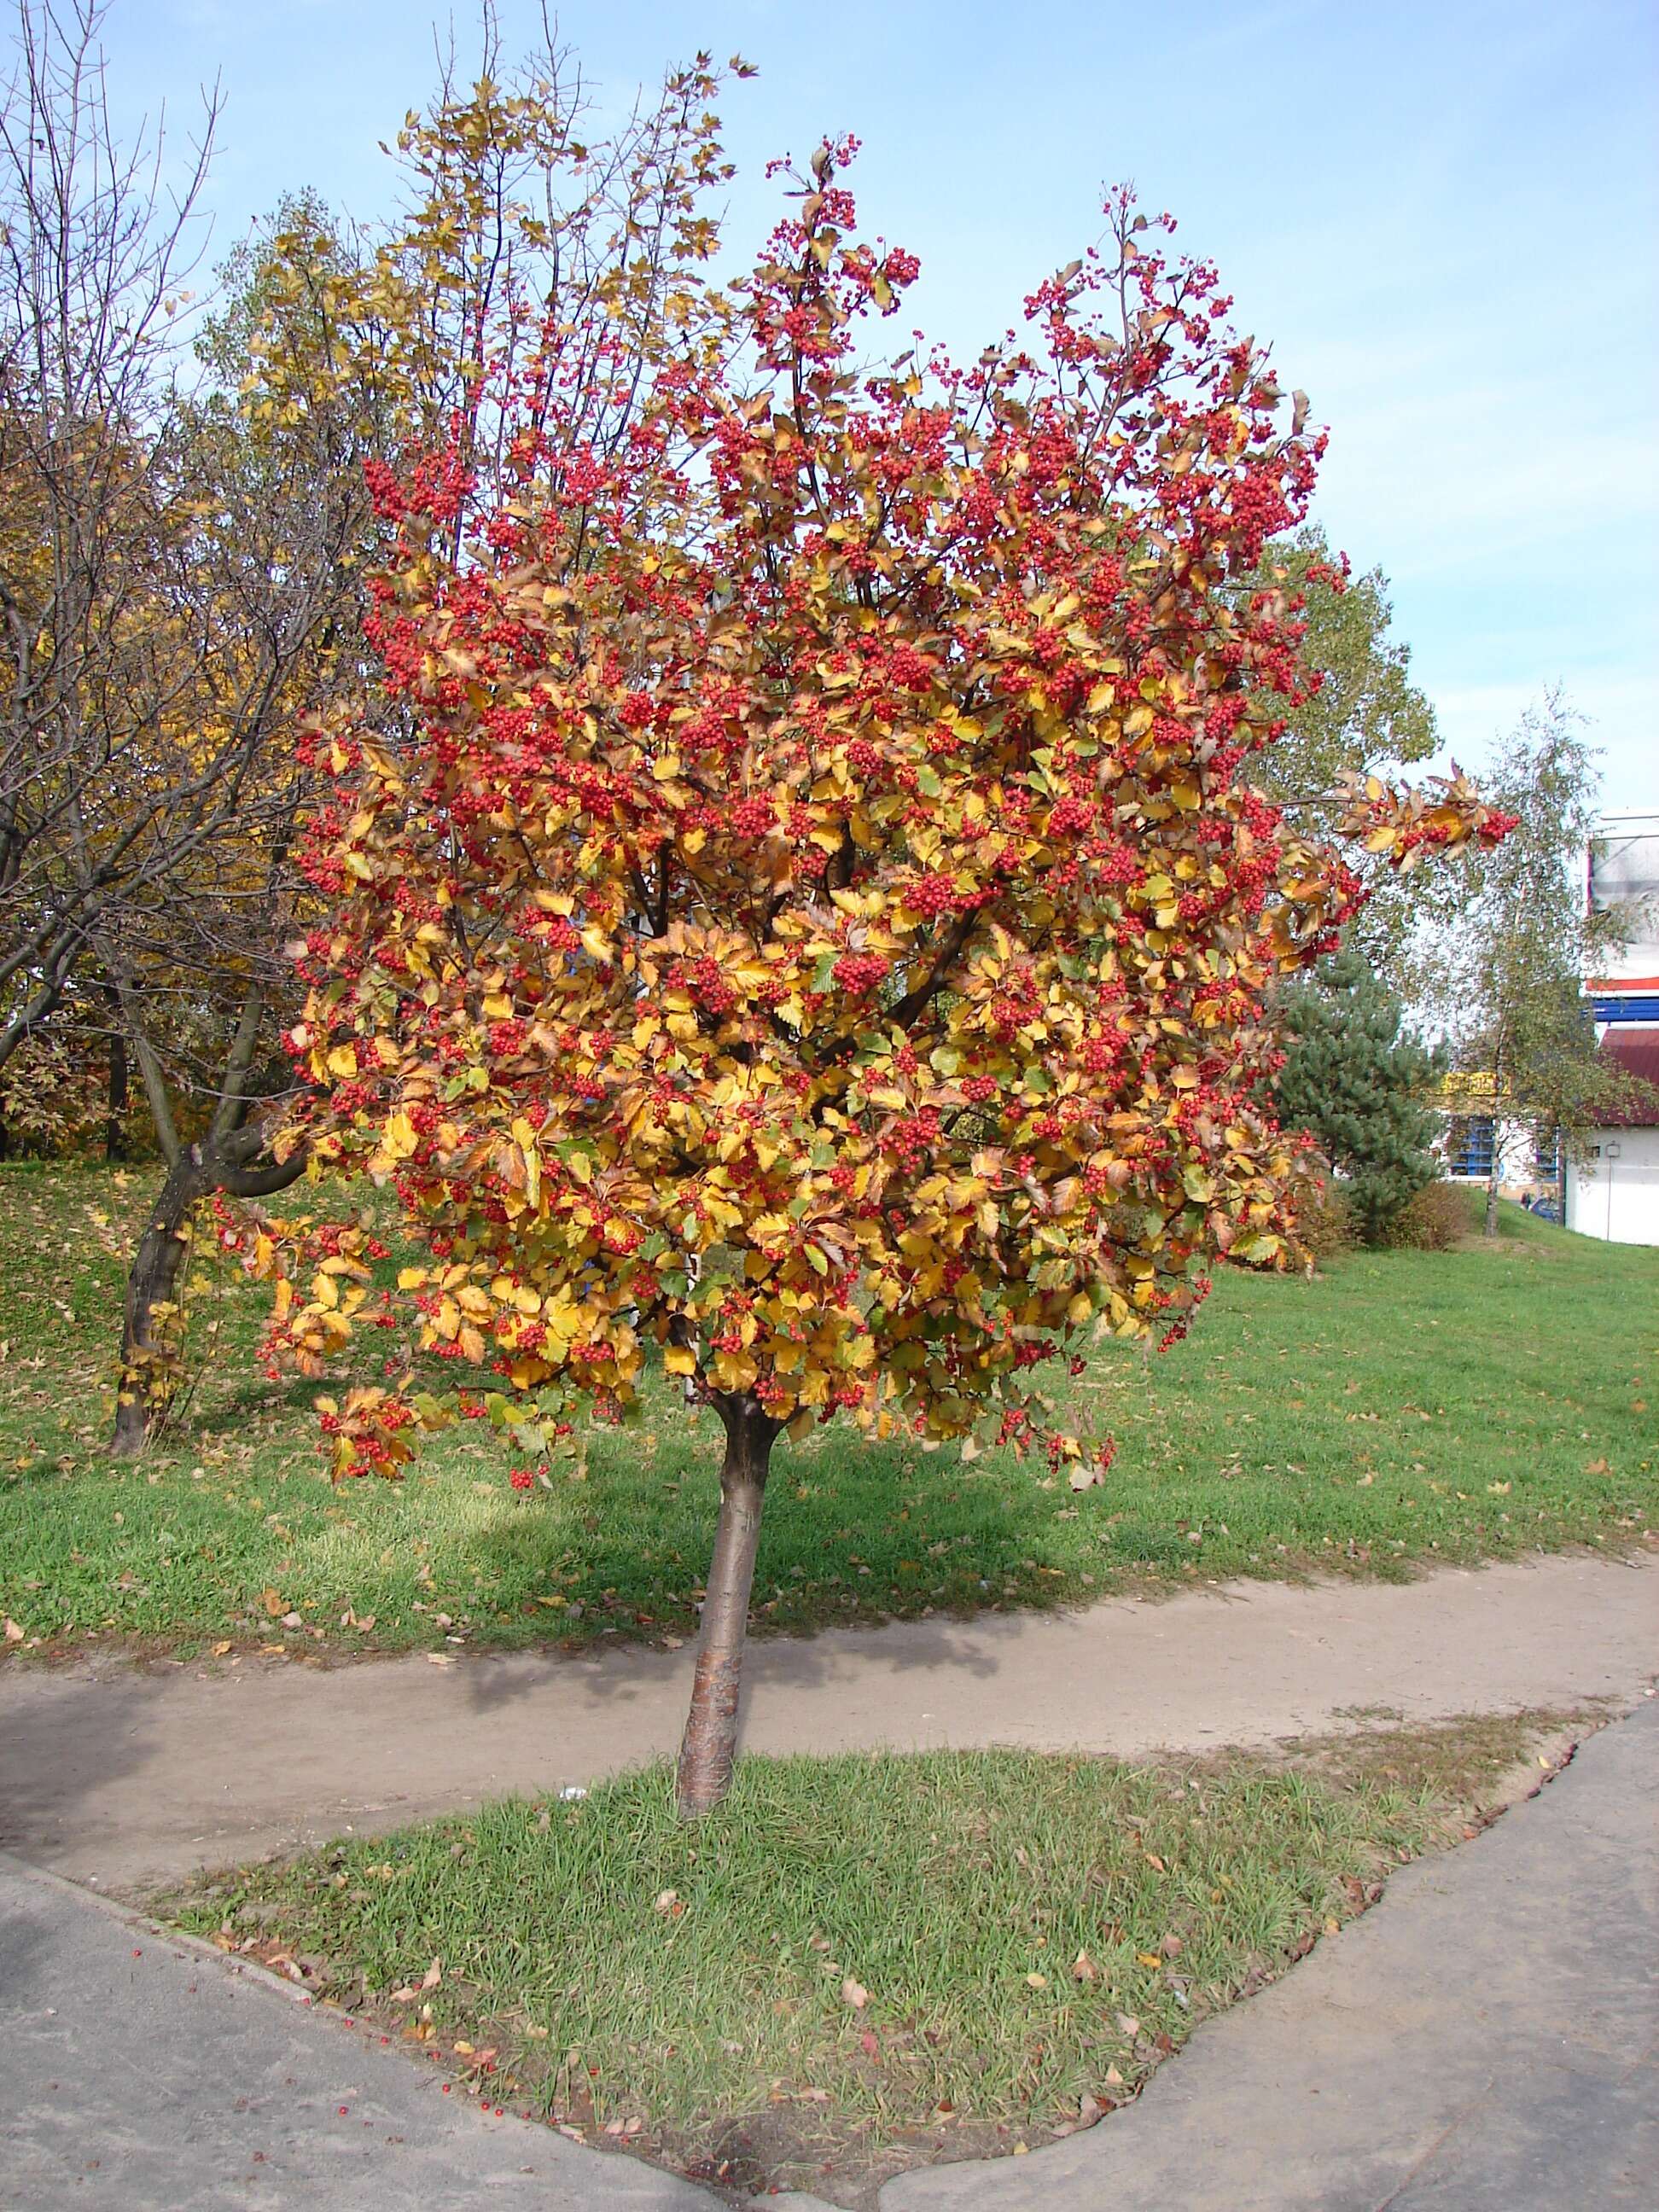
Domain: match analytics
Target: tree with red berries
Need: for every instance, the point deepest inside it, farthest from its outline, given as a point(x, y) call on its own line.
point(813, 929)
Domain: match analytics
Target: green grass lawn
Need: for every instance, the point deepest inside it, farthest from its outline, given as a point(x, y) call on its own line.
point(1403, 1407)
point(858, 1963)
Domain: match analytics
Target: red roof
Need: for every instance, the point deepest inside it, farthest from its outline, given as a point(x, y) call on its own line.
point(1634, 1051)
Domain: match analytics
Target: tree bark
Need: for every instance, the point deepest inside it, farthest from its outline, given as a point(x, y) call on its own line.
point(115, 1118)
point(708, 1749)
point(1490, 1225)
point(152, 1281)
point(229, 1164)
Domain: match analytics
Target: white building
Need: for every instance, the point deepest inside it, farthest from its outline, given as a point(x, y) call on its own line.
point(1612, 1186)
point(1613, 1182)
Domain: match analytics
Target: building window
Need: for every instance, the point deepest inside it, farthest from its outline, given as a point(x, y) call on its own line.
point(1546, 1155)
point(1470, 1145)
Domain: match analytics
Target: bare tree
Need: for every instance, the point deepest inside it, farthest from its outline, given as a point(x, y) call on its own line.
point(95, 254)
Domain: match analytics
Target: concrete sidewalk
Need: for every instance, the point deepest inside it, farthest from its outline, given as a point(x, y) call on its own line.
point(1486, 2039)
point(1483, 2041)
point(128, 1777)
point(142, 2075)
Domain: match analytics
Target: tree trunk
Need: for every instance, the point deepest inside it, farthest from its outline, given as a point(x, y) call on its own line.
point(709, 1747)
point(152, 1281)
point(1490, 1225)
point(115, 1118)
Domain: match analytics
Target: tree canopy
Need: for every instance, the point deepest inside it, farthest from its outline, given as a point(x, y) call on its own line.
point(1508, 977)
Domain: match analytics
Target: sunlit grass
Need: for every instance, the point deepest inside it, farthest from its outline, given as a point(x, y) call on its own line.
point(1404, 1407)
point(853, 1953)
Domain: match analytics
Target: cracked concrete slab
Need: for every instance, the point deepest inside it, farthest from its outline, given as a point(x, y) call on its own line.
point(139, 2072)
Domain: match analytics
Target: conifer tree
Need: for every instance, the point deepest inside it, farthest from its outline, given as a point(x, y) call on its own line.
point(1358, 1082)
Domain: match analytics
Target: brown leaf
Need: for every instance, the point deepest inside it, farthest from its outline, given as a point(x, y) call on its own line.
point(1084, 1968)
point(854, 1994)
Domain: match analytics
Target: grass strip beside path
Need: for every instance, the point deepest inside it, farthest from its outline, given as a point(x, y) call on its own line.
point(1404, 1407)
point(856, 1963)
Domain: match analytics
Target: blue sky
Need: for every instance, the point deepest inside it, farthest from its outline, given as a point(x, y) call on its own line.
point(1444, 216)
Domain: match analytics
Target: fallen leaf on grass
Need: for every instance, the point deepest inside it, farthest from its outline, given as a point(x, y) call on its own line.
point(14, 1634)
point(1084, 1968)
point(854, 1994)
point(429, 1980)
